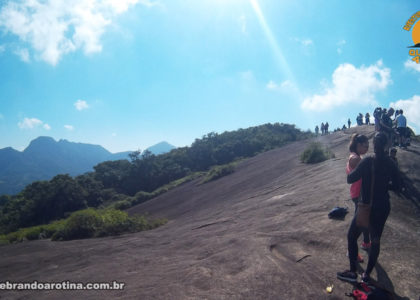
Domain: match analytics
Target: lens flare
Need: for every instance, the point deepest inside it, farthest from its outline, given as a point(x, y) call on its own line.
point(278, 54)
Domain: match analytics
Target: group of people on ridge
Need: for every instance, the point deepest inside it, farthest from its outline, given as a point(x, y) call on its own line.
point(395, 129)
point(324, 128)
point(359, 119)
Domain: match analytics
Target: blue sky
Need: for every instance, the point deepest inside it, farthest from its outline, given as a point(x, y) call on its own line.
point(127, 74)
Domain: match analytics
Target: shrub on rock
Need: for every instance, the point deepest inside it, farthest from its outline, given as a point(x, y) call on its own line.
point(315, 153)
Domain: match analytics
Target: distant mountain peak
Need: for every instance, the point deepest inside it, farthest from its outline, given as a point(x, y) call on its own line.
point(39, 143)
point(8, 149)
point(44, 138)
point(160, 148)
point(45, 157)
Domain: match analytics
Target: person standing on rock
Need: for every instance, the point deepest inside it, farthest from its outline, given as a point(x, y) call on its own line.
point(377, 114)
point(316, 130)
point(367, 118)
point(359, 120)
point(401, 128)
point(359, 145)
point(386, 128)
point(349, 122)
point(322, 128)
point(378, 171)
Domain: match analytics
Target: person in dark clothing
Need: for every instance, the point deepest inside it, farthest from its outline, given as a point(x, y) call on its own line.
point(377, 114)
point(385, 171)
point(367, 118)
point(386, 128)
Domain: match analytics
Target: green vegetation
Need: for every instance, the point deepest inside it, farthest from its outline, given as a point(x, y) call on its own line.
point(32, 233)
point(44, 201)
point(85, 223)
point(219, 171)
point(315, 153)
point(141, 196)
point(90, 223)
point(122, 184)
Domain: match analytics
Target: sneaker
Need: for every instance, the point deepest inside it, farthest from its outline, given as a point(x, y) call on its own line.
point(365, 278)
point(347, 276)
point(366, 246)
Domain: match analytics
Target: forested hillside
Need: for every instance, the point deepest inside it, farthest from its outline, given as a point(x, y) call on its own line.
point(111, 181)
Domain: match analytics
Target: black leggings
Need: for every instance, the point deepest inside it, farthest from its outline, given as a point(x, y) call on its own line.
point(365, 232)
point(377, 222)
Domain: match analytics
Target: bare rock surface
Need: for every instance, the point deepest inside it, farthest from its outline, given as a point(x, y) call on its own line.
point(259, 233)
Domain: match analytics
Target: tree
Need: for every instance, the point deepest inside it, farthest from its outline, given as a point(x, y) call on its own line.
point(135, 156)
point(112, 173)
point(92, 189)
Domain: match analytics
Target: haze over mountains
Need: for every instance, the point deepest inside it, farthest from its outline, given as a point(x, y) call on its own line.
point(45, 158)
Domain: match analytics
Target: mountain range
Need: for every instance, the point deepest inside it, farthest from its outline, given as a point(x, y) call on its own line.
point(44, 158)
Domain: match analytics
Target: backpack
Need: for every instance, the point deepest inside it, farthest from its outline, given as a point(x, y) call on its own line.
point(338, 213)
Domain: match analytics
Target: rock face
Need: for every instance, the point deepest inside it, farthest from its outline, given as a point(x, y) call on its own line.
point(259, 233)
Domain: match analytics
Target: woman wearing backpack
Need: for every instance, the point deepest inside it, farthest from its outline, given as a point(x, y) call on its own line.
point(359, 145)
point(376, 173)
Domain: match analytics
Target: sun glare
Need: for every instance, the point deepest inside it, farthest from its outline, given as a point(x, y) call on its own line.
point(281, 61)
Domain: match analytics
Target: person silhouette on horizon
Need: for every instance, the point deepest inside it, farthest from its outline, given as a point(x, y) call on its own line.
point(367, 118)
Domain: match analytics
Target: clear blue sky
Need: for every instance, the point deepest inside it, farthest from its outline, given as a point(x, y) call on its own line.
point(127, 74)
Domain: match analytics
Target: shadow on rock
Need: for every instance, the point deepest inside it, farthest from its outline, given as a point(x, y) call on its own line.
point(409, 190)
point(385, 282)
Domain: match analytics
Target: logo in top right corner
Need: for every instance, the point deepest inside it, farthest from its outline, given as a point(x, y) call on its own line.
point(413, 24)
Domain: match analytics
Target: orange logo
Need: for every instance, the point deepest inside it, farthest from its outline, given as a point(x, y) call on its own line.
point(413, 24)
